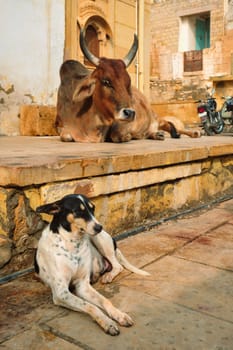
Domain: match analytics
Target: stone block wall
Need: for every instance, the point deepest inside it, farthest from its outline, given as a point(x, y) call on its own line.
point(36, 120)
point(185, 111)
point(169, 82)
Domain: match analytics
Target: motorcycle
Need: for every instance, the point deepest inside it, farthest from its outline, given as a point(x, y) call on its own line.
point(227, 113)
point(211, 119)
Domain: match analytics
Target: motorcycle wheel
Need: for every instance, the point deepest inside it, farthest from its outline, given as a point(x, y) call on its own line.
point(218, 129)
point(208, 130)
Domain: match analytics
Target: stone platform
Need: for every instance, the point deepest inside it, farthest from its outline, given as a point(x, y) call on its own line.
point(131, 183)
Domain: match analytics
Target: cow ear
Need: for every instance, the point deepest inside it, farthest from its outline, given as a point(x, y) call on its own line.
point(51, 208)
point(84, 90)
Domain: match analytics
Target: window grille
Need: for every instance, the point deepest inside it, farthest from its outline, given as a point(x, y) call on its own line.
point(193, 61)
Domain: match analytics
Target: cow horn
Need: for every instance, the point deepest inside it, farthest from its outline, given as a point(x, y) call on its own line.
point(95, 60)
point(132, 52)
point(92, 58)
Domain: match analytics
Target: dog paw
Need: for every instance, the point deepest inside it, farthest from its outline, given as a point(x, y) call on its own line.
point(107, 278)
point(113, 330)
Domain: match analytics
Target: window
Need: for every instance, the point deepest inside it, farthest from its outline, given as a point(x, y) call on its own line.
point(202, 33)
point(194, 37)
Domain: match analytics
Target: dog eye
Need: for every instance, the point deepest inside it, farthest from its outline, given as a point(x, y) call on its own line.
point(92, 207)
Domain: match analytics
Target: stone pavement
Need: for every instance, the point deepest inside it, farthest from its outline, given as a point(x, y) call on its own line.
point(186, 303)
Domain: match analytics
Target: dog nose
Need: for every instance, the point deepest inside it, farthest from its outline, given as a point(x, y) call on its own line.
point(129, 114)
point(98, 228)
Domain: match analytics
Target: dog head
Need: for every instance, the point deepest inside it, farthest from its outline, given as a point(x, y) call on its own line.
point(74, 212)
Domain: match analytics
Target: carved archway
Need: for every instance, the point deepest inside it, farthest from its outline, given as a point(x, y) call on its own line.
point(93, 18)
point(98, 37)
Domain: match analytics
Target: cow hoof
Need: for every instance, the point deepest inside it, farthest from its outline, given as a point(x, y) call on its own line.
point(159, 135)
point(127, 138)
point(196, 134)
point(120, 139)
point(66, 138)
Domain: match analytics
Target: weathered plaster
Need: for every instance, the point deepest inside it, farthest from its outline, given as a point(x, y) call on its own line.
point(30, 56)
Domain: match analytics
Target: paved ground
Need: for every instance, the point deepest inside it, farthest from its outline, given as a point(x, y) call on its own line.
point(186, 303)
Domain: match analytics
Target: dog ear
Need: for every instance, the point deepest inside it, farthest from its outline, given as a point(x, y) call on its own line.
point(51, 208)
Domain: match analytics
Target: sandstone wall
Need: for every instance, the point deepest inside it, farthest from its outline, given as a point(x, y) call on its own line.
point(169, 82)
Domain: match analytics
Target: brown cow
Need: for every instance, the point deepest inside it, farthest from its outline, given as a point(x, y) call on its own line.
point(75, 111)
point(102, 105)
point(88, 104)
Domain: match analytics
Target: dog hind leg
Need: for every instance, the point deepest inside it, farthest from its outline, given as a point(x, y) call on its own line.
point(104, 243)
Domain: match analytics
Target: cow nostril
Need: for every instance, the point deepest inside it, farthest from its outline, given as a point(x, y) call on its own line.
point(129, 113)
point(98, 228)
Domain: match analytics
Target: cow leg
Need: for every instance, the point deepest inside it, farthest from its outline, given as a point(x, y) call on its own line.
point(154, 133)
point(176, 128)
point(190, 133)
point(159, 135)
point(169, 127)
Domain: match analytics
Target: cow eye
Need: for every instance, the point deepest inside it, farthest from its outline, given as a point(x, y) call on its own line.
point(106, 82)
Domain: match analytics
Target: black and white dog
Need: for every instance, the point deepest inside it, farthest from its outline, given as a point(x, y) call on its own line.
point(73, 252)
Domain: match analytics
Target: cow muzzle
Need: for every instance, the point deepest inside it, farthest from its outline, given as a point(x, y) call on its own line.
point(127, 114)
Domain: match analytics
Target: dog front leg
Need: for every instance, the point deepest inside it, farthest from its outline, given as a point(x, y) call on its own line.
point(87, 292)
point(104, 243)
point(63, 297)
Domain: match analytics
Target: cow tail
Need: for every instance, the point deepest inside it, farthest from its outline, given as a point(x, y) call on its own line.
point(173, 132)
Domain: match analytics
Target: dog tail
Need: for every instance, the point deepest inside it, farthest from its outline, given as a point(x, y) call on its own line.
point(126, 264)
